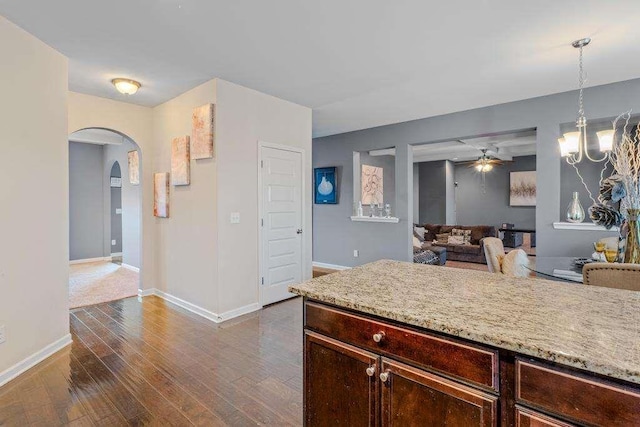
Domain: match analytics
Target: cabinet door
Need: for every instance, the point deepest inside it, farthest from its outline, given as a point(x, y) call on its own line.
point(412, 397)
point(341, 384)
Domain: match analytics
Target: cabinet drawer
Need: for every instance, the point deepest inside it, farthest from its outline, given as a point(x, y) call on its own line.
point(460, 360)
point(528, 418)
point(570, 395)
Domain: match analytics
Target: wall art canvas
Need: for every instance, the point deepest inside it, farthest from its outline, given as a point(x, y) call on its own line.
point(522, 188)
point(134, 167)
point(161, 195)
point(324, 180)
point(202, 132)
point(372, 185)
point(180, 161)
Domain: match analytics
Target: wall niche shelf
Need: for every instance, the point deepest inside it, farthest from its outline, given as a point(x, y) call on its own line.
point(375, 219)
point(582, 226)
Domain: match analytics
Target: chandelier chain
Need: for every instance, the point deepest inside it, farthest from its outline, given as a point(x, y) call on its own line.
point(581, 85)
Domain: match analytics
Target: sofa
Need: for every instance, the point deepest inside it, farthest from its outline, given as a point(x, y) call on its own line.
point(472, 252)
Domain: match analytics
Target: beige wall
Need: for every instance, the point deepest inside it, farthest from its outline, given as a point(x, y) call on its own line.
point(186, 243)
point(86, 111)
point(245, 117)
point(34, 195)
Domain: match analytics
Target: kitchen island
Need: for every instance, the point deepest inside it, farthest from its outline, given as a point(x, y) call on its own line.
point(392, 343)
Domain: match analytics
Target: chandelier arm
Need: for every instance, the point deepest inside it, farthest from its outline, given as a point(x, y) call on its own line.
point(584, 184)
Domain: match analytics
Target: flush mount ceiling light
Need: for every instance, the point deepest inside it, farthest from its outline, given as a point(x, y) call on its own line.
point(573, 145)
point(126, 86)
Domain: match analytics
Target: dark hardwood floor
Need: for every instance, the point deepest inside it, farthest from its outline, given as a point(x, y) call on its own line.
point(153, 363)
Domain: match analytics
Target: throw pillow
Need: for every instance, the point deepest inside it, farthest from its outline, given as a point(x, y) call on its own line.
point(466, 234)
point(442, 238)
point(416, 242)
point(455, 240)
point(419, 233)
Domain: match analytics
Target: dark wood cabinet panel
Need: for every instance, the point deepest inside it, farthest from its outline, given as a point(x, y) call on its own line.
point(528, 418)
point(412, 397)
point(586, 400)
point(470, 363)
point(338, 390)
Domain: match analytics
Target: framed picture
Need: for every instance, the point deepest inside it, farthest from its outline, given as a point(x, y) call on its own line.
point(180, 164)
point(134, 167)
point(324, 183)
point(522, 188)
point(203, 132)
point(372, 185)
point(161, 195)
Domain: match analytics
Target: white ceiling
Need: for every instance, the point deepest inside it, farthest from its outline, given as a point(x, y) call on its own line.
point(357, 63)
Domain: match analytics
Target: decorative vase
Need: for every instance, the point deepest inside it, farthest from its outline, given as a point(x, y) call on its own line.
point(632, 249)
point(575, 212)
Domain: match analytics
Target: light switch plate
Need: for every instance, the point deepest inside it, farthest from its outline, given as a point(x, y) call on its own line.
point(118, 211)
point(3, 337)
point(234, 218)
point(113, 243)
point(356, 253)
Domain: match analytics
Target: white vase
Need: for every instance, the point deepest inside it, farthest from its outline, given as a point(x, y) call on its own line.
point(325, 187)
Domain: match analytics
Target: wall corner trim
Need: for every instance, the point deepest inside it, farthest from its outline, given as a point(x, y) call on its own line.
point(34, 359)
point(330, 266)
point(130, 267)
point(209, 315)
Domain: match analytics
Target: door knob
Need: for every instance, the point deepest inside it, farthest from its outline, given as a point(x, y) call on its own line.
point(299, 231)
point(371, 370)
point(384, 376)
point(378, 337)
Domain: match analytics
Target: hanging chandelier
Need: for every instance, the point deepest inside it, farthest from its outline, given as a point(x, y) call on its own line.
point(574, 145)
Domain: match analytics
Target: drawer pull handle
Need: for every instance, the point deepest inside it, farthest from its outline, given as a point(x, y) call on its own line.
point(378, 337)
point(371, 370)
point(384, 376)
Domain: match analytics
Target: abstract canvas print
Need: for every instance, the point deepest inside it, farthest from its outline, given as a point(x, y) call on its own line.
point(325, 185)
point(134, 167)
point(202, 132)
point(161, 195)
point(372, 188)
point(522, 188)
point(180, 162)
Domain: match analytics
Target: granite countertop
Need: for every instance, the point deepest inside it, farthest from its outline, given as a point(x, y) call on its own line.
point(588, 327)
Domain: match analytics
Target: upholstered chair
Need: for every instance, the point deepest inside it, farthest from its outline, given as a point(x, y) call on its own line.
point(612, 275)
point(493, 252)
point(513, 264)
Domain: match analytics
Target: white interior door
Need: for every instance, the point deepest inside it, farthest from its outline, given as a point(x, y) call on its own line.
point(281, 223)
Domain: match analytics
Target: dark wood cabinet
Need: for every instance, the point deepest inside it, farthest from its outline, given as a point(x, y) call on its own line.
point(361, 370)
point(341, 384)
point(413, 397)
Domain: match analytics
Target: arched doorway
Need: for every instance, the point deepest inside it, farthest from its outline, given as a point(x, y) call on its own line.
point(105, 213)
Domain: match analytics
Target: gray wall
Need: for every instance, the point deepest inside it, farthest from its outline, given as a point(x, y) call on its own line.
point(86, 202)
point(131, 204)
point(336, 236)
point(116, 218)
point(387, 163)
point(450, 193)
point(475, 207)
point(416, 193)
point(433, 192)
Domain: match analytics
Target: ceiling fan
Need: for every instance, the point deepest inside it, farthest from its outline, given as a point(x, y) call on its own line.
point(485, 163)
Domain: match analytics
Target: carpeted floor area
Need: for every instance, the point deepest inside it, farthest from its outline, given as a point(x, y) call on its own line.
point(99, 282)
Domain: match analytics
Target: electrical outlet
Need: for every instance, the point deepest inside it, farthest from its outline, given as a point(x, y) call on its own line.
point(356, 253)
point(113, 242)
point(2, 334)
point(234, 218)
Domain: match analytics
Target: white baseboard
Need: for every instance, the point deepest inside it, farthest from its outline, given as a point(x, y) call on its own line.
point(130, 267)
point(87, 260)
point(116, 254)
point(34, 359)
point(239, 311)
point(330, 266)
point(209, 315)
